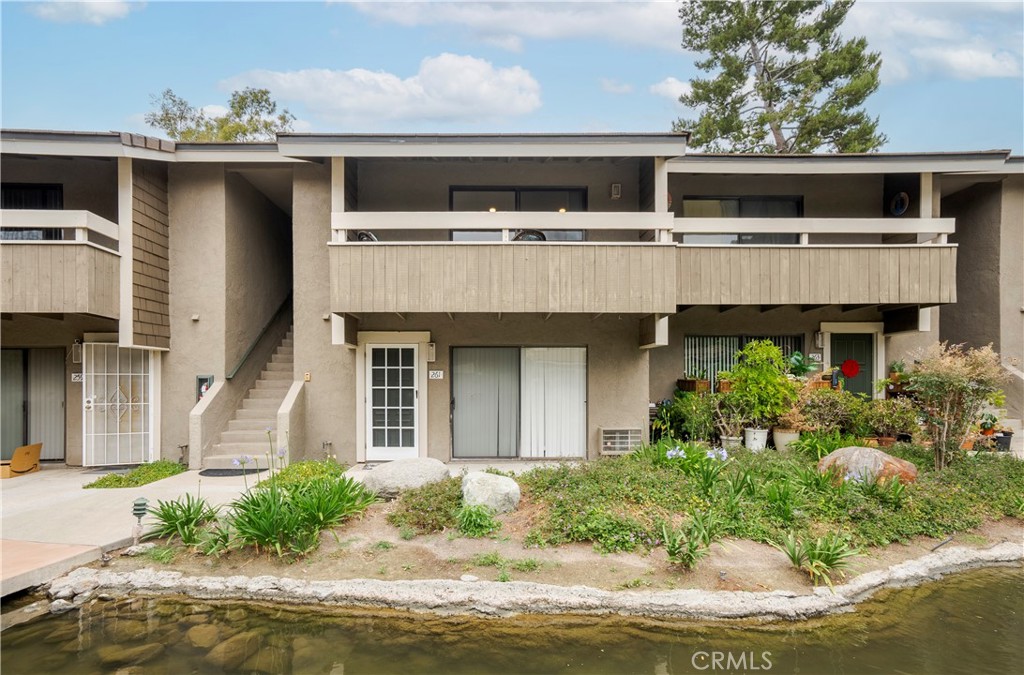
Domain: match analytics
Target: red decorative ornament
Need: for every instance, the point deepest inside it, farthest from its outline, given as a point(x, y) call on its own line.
point(850, 368)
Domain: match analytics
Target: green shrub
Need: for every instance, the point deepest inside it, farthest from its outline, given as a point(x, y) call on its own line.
point(147, 473)
point(831, 411)
point(817, 444)
point(430, 508)
point(324, 503)
point(476, 520)
point(821, 557)
point(269, 519)
point(181, 518)
point(760, 384)
point(891, 417)
point(298, 474)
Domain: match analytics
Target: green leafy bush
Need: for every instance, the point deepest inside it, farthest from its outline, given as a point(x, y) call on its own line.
point(142, 475)
point(476, 520)
point(831, 411)
point(430, 508)
point(820, 557)
point(180, 518)
point(327, 502)
point(298, 474)
point(760, 384)
point(817, 444)
point(891, 417)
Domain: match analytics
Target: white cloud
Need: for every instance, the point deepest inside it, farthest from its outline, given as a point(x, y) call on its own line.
point(214, 110)
point(965, 40)
point(505, 24)
point(447, 88)
point(615, 87)
point(96, 12)
point(670, 88)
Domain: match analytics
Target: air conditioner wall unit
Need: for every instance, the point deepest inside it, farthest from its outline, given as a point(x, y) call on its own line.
point(620, 440)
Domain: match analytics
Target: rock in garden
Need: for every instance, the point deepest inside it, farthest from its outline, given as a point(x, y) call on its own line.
point(116, 655)
point(133, 551)
point(498, 493)
point(388, 480)
point(204, 635)
point(231, 653)
point(867, 464)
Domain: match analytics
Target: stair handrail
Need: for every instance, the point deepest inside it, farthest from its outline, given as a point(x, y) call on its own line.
point(252, 347)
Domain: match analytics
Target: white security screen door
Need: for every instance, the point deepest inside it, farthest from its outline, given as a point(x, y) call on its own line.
point(391, 424)
point(116, 409)
point(553, 417)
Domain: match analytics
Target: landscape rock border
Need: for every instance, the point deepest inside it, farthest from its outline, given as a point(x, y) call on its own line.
point(494, 599)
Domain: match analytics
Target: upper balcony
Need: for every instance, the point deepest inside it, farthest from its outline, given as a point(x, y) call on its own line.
point(56, 262)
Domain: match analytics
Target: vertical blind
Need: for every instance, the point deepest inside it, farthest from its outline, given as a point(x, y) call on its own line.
point(709, 354)
point(485, 395)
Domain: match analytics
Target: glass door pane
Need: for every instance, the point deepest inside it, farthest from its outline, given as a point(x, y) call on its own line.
point(391, 409)
point(554, 402)
point(485, 402)
point(12, 400)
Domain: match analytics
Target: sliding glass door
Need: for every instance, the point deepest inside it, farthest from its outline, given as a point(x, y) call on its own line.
point(519, 402)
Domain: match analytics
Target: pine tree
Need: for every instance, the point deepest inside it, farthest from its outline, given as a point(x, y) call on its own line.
point(783, 79)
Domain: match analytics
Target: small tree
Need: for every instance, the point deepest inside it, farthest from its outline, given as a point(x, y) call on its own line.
point(252, 116)
point(782, 78)
point(760, 384)
point(952, 384)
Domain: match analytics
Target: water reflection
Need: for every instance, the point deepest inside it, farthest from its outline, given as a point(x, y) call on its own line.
point(971, 623)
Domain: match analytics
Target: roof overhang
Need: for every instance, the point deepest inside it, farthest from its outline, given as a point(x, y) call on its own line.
point(934, 162)
point(482, 145)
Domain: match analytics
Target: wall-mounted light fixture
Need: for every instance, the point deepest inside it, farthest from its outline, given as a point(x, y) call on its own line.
point(819, 339)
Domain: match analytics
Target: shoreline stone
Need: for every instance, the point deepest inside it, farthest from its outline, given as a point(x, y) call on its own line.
point(495, 599)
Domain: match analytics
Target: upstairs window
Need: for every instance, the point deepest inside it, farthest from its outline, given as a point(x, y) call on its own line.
point(533, 199)
point(742, 207)
point(31, 196)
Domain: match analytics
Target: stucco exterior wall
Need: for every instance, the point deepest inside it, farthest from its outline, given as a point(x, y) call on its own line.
point(617, 369)
point(25, 331)
point(1011, 290)
point(198, 248)
point(330, 393)
point(90, 184)
point(258, 266)
point(974, 319)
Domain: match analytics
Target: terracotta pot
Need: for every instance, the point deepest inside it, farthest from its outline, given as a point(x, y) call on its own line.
point(724, 386)
point(886, 441)
point(690, 385)
point(988, 432)
point(968, 444)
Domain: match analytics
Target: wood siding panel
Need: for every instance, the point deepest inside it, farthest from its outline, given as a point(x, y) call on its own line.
point(150, 253)
point(750, 275)
point(514, 278)
point(56, 278)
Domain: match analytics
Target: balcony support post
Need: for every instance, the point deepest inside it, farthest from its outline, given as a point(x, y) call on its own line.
point(654, 331)
point(125, 244)
point(338, 195)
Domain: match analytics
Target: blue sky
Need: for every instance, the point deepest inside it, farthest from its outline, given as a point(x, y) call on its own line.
point(952, 73)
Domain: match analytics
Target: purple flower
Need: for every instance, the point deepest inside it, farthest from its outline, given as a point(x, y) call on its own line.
point(243, 460)
point(235, 462)
point(281, 452)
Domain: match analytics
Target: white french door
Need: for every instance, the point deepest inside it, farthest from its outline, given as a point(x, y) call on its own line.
point(117, 410)
point(392, 427)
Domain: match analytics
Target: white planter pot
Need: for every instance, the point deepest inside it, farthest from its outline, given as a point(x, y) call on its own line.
point(732, 442)
point(756, 440)
point(783, 438)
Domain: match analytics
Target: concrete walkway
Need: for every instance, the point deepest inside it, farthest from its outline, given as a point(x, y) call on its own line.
point(50, 525)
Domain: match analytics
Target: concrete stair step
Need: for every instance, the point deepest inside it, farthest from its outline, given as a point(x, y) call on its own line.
point(258, 425)
point(266, 416)
point(276, 385)
point(277, 394)
point(279, 367)
point(266, 404)
point(285, 350)
point(282, 358)
point(251, 436)
point(277, 375)
point(287, 342)
point(227, 461)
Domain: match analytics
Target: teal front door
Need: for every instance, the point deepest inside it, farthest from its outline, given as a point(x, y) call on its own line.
point(858, 347)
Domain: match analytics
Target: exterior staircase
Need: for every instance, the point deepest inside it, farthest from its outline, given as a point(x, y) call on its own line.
point(246, 433)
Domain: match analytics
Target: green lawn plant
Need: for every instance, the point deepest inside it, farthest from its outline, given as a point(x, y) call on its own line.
point(181, 518)
point(760, 384)
point(476, 520)
point(821, 557)
point(141, 475)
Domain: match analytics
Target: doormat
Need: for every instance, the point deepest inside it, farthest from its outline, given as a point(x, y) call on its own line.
point(224, 473)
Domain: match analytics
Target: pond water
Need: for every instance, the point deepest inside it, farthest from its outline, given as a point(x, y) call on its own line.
point(969, 623)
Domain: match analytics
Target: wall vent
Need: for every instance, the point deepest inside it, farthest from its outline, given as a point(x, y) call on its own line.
point(620, 441)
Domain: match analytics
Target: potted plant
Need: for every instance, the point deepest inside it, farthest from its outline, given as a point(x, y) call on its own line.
point(788, 428)
point(1003, 437)
point(764, 392)
point(822, 382)
point(891, 418)
point(896, 370)
point(696, 382)
point(800, 366)
point(729, 421)
point(988, 424)
point(723, 382)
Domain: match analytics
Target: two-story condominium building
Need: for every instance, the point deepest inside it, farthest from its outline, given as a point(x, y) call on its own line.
point(372, 297)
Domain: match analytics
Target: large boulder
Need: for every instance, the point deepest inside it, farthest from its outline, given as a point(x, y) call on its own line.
point(388, 480)
point(867, 464)
point(498, 493)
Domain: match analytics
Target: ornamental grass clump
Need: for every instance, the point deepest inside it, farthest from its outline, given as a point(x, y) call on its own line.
point(952, 384)
point(181, 518)
point(821, 557)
